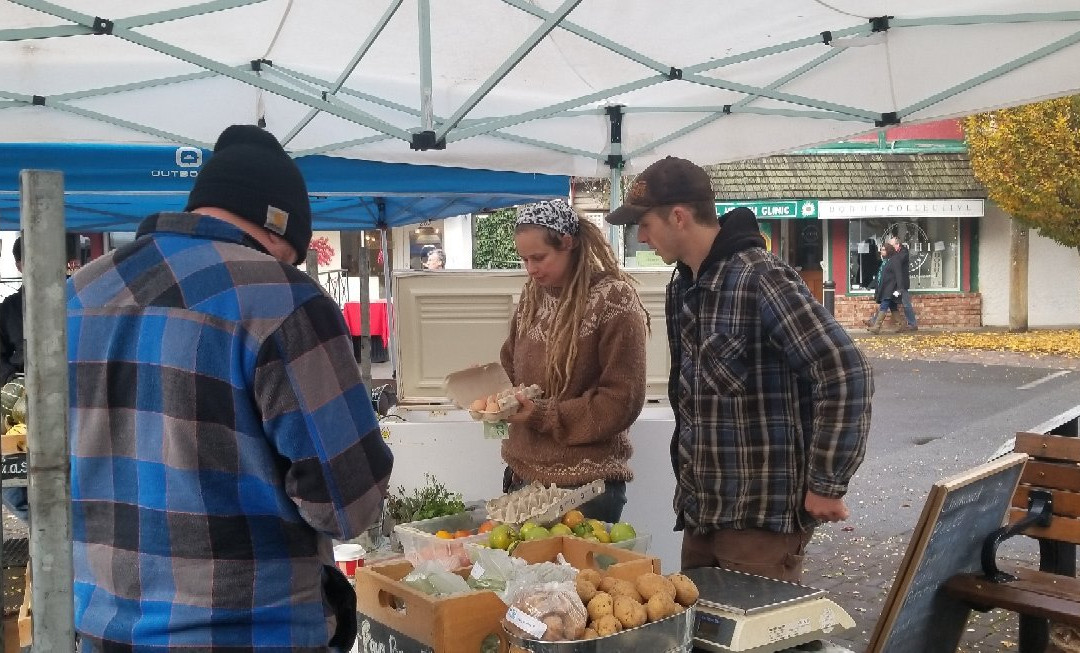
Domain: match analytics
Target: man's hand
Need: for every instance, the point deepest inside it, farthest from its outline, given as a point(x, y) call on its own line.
point(525, 412)
point(825, 509)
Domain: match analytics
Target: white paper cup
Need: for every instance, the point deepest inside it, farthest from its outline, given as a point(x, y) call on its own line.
point(348, 557)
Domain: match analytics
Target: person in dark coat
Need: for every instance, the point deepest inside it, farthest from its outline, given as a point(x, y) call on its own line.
point(888, 286)
point(903, 261)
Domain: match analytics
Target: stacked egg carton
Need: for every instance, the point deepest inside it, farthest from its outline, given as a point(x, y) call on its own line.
point(540, 504)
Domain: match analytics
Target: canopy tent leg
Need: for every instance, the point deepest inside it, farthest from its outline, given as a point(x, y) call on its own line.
point(391, 314)
point(364, 265)
point(616, 162)
point(49, 474)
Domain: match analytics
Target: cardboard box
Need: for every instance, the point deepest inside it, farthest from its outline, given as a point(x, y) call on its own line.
point(469, 622)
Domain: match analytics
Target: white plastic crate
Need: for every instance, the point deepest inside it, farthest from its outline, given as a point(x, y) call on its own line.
point(419, 543)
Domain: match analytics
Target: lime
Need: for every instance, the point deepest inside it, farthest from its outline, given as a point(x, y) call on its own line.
point(582, 529)
point(560, 529)
point(622, 532)
point(536, 533)
point(501, 537)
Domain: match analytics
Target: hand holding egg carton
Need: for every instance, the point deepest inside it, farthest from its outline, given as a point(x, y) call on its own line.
point(486, 392)
point(497, 407)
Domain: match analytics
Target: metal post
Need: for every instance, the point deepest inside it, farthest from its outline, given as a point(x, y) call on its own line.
point(311, 264)
point(45, 308)
point(391, 314)
point(363, 266)
point(828, 296)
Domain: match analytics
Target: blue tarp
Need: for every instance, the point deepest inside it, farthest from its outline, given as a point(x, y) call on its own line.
point(113, 187)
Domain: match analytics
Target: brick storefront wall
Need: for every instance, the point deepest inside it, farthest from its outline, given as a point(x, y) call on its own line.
point(956, 310)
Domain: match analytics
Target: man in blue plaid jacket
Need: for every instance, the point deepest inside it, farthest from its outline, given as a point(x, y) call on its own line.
point(771, 396)
point(220, 432)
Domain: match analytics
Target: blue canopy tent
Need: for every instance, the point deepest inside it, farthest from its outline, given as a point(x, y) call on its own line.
point(113, 187)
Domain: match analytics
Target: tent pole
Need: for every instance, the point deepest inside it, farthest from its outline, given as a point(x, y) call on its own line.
point(363, 265)
point(615, 162)
point(391, 314)
point(49, 474)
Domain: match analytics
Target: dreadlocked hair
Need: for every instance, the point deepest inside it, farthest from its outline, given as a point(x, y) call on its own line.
point(590, 257)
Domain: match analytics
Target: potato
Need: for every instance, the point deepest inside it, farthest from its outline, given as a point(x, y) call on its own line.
point(661, 606)
point(649, 584)
point(629, 612)
point(478, 406)
point(625, 588)
point(600, 605)
point(589, 634)
point(491, 407)
point(554, 632)
point(607, 625)
point(607, 583)
point(585, 590)
point(591, 575)
point(686, 592)
point(572, 631)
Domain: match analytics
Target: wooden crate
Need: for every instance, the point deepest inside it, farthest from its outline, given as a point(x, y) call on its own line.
point(390, 609)
point(18, 631)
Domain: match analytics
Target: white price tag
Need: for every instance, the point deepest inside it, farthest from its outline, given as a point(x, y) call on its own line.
point(526, 622)
point(477, 571)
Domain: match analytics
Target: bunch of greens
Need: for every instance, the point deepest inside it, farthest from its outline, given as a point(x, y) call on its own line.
point(432, 500)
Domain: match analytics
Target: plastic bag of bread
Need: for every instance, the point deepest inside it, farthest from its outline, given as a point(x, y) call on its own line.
point(551, 612)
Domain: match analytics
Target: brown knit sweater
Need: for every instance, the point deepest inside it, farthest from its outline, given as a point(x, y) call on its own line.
point(580, 436)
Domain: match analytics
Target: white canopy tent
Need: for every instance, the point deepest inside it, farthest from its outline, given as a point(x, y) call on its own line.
point(560, 86)
point(572, 87)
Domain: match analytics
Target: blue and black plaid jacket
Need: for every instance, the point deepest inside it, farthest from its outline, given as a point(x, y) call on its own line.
point(771, 396)
point(220, 436)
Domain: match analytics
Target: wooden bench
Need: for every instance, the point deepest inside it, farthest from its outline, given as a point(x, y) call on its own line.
point(1046, 506)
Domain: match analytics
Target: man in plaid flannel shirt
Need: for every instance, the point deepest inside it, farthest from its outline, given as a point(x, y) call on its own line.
point(220, 432)
point(771, 396)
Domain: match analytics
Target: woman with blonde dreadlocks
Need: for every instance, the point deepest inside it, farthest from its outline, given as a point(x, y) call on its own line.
point(579, 333)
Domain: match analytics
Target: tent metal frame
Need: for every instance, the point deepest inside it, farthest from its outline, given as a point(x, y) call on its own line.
point(431, 131)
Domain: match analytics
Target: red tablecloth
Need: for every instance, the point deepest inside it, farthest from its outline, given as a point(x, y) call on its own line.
point(379, 324)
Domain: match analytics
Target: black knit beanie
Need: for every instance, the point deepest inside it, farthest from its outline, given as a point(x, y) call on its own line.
point(250, 175)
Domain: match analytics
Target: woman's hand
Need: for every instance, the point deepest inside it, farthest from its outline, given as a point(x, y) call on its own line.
point(524, 412)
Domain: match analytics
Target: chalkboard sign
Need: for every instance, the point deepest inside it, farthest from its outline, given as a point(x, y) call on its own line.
point(14, 469)
point(959, 513)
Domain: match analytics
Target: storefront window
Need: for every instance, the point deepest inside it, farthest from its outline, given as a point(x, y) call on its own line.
point(933, 244)
point(426, 246)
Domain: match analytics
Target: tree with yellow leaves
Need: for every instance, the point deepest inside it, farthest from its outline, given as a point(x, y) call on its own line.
point(1028, 157)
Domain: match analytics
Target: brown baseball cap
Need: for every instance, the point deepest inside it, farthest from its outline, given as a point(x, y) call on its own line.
point(670, 180)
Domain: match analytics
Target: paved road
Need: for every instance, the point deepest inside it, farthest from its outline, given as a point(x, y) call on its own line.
point(932, 419)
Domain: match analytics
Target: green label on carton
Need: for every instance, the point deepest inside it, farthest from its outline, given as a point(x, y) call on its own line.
point(496, 430)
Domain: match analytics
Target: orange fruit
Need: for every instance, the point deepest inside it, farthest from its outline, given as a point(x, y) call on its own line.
point(463, 533)
point(486, 527)
point(444, 535)
point(573, 518)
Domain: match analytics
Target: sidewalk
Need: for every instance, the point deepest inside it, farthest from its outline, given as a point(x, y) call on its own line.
point(858, 571)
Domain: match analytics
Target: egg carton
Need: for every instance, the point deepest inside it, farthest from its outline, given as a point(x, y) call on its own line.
point(499, 406)
point(540, 504)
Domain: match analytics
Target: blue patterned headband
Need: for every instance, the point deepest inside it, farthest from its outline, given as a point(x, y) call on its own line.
point(555, 214)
